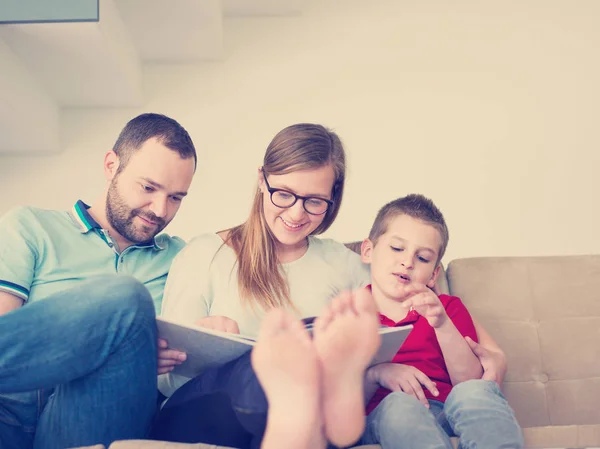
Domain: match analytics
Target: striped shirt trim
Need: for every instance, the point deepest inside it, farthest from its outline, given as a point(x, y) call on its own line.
point(82, 217)
point(86, 223)
point(14, 289)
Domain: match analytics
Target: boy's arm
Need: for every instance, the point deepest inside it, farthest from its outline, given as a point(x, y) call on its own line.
point(451, 322)
point(398, 377)
point(371, 384)
point(461, 362)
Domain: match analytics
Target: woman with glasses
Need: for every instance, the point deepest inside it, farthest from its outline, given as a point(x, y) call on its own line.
point(228, 281)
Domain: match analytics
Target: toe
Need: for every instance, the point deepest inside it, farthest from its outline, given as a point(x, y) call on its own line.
point(364, 302)
point(274, 322)
point(342, 304)
point(296, 328)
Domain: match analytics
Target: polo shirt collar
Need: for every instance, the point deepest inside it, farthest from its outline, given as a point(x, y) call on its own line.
point(83, 219)
point(85, 222)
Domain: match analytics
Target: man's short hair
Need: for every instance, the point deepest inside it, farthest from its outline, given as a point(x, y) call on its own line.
point(147, 126)
point(416, 206)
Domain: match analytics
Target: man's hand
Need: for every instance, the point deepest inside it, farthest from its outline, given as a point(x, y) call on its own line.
point(427, 303)
point(405, 378)
point(168, 358)
point(493, 361)
point(219, 323)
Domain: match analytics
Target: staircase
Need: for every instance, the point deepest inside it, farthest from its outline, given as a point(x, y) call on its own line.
point(45, 67)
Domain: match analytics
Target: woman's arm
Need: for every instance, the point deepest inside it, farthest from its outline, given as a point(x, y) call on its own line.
point(490, 355)
point(186, 296)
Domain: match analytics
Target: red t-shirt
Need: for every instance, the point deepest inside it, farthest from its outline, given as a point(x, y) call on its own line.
point(422, 350)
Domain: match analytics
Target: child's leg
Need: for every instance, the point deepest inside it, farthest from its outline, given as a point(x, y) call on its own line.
point(400, 421)
point(480, 416)
point(286, 365)
point(346, 338)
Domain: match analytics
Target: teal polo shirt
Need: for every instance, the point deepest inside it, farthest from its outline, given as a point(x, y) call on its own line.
point(43, 252)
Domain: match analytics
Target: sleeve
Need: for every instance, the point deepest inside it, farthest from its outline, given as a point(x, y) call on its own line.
point(187, 296)
point(460, 316)
point(19, 251)
point(187, 291)
point(359, 272)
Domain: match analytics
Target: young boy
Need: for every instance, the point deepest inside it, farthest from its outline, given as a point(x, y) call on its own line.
point(404, 248)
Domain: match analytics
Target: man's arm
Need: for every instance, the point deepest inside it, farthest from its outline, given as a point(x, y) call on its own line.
point(20, 231)
point(9, 302)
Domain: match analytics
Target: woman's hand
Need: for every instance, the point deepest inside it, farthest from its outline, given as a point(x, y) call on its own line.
point(492, 360)
point(219, 323)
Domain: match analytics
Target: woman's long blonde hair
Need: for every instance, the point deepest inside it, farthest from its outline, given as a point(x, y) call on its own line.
point(302, 146)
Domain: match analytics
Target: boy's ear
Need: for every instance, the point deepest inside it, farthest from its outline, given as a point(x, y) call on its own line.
point(434, 276)
point(366, 250)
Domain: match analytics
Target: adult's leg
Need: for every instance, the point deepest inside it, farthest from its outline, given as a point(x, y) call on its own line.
point(480, 416)
point(402, 421)
point(96, 344)
point(18, 417)
point(225, 406)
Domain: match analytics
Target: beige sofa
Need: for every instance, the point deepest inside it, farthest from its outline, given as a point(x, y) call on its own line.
point(545, 313)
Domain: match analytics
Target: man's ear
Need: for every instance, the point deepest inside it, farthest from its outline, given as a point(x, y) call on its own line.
point(366, 251)
point(111, 165)
point(434, 276)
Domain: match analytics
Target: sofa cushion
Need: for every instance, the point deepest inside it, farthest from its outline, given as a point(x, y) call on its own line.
point(545, 313)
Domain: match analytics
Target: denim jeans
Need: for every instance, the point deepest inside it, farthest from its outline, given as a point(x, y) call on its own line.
point(475, 411)
point(79, 368)
point(225, 406)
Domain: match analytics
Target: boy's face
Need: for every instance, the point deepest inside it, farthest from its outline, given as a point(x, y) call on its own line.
point(405, 254)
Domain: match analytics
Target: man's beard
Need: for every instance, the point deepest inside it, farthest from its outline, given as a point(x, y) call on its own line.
point(121, 218)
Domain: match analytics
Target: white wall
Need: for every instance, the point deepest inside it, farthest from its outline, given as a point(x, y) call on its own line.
point(490, 108)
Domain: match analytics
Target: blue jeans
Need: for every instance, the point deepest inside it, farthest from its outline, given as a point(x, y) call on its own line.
point(79, 368)
point(225, 406)
point(475, 411)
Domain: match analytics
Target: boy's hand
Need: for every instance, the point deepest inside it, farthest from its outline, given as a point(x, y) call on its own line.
point(168, 358)
point(405, 378)
point(426, 302)
point(219, 323)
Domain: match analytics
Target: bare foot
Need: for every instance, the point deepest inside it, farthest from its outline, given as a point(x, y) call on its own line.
point(286, 365)
point(346, 338)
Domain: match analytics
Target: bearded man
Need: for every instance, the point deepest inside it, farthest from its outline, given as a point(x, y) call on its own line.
point(78, 294)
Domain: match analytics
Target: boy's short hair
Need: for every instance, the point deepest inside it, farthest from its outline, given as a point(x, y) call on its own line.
point(415, 206)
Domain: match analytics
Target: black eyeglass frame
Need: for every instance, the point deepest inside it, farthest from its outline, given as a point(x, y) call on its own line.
point(273, 190)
